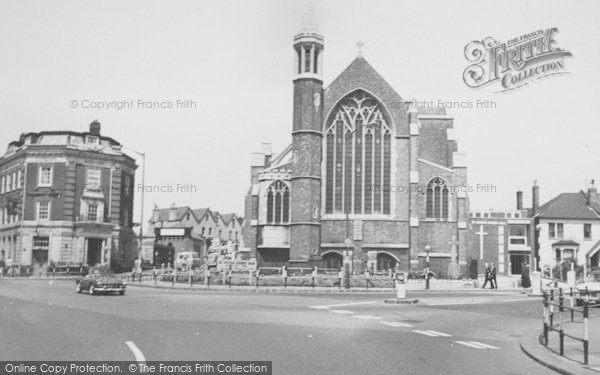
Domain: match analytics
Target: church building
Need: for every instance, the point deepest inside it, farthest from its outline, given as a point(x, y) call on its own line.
point(367, 181)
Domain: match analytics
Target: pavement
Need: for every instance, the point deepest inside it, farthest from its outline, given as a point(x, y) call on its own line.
point(572, 362)
point(321, 333)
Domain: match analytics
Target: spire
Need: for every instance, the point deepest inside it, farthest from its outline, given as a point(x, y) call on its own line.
point(309, 23)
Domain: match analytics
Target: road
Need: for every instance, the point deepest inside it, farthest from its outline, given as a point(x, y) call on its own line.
point(458, 333)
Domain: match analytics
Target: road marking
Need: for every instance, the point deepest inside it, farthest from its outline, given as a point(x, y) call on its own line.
point(432, 333)
point(448, 301)
point(327, 307)
point(343, 312)
point(366, 317)
point(484, 345)
point(520, 299)
point(139, 356)
point(396, 324)
point(426, 333)
point(439, 333)
point(476, 345)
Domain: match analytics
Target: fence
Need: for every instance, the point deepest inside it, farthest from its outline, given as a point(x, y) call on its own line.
point(578, 304)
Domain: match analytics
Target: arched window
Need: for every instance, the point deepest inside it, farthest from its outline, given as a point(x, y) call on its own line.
point(436, 199)
point(333, 260)
point(278, 203)
point(358, 157)
point(385, 262)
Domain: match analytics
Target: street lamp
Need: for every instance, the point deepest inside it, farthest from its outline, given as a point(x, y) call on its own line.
point(427, 250)
point(141, 236)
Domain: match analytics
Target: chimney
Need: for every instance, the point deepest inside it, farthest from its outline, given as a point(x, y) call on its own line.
point(95, 127)
point(267, 150)
point(535, 204)
point(519, 200)
point(593, 199)
point(173, 213)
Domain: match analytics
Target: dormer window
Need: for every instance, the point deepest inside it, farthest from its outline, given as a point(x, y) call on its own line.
point(92, 140)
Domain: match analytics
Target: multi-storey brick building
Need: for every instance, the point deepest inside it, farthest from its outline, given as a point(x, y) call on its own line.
point(66, 198)
point(368, 179)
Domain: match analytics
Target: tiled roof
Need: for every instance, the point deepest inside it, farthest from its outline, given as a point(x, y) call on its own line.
point(227, 218)
point(200, 212)
point(568, 206)
point(164, 213)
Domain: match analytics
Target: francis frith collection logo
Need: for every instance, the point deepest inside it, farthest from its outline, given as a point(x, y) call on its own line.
point(515, 63)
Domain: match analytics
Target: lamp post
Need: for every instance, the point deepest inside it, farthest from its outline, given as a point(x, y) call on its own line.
point(427, 250)
point(141, 235)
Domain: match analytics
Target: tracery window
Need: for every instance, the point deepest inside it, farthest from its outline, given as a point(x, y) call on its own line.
point(358, 157)
point(278, 203)
point(436, 199)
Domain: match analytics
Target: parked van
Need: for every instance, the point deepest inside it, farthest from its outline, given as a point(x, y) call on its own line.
point(187, 259)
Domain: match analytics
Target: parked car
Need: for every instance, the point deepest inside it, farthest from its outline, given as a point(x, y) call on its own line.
point(187, 259)
point(97, 282)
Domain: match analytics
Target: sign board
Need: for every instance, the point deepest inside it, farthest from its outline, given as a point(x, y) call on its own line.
point(358, 230)
point(172, 232)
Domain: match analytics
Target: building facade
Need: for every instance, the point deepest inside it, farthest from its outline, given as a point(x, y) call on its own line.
point(368, 180)
point(502, 237)
point(568, 230)
point(180, 229)
point(66, 198)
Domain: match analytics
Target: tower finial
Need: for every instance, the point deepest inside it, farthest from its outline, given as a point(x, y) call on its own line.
point(309, 23)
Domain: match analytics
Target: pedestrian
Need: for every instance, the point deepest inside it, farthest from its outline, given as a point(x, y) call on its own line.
point(493, 281)
point(487, 276)
point(525, 279)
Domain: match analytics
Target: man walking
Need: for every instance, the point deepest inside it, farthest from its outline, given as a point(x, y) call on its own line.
point(487, 276)
point(493, 281)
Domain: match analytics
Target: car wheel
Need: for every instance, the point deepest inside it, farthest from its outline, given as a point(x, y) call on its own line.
point(91, 290)
point(122, 293)
point(78, 288)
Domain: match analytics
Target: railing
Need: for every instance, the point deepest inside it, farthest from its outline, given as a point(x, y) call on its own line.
point(15, 271)
point(555, 299)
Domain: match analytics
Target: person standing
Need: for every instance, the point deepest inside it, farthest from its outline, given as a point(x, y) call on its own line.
point(493, 281)
point(487, 275)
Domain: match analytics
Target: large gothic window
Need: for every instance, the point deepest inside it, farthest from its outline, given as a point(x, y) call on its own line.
point(436, 199)
point(358, 157)
point(278, 203)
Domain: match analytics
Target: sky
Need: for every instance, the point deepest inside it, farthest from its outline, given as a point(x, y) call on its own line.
point(234, 61)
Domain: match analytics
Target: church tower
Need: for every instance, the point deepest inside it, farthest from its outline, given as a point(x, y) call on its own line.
point(307, 138)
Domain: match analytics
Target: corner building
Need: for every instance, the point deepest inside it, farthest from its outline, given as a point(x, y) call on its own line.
point(368, 180)
point(66, 198)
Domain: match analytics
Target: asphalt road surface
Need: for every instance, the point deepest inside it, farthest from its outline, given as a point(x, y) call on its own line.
point(302, 334)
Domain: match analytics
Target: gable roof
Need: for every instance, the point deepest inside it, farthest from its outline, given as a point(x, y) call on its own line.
point(227, 218)
point(200, 212)
point(164, 214)
point(361, 75)
point(568, 206)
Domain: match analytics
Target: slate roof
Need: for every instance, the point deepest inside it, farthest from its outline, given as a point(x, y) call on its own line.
point(164, 213)
point(568, 206)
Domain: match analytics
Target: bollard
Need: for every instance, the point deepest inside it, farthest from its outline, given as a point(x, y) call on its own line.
point(551, 308)
point(545, 318)
point(257, 277)
point(191, 277)
point(174, 276)
point(561, 333)
point(314, 276)
point(572, 305)
point(585, 334)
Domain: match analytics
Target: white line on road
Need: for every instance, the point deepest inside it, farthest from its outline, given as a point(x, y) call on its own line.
point(520, 299)
point(476, 345)
point(484, 345)
point(396, 324)
point(426, 333)
point(439, 333)
point(139, 356)
point(342, 312)
point(326, 307)
point(366, 317)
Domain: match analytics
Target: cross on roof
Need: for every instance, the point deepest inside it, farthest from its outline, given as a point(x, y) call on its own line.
point(360, 45)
